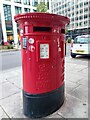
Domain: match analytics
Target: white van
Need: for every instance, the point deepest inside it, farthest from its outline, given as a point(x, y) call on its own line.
point(80, 46)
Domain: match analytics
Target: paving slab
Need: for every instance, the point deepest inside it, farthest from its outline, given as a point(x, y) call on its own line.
point(7, 89)
point(80, 92)
point(13, 105)
point(70, 86)
point(73, 108)
point(1, 78)
point(2, 114)
point(70, 76)
point(17, 81)
point(83, 81)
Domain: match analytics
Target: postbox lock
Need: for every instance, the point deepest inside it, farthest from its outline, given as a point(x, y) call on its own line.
point(31, 48)
point(31, 40)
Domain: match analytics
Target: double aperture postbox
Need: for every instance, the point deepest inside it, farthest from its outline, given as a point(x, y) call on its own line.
point(42, 47)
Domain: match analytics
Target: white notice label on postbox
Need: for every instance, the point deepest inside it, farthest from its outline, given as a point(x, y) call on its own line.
point(44, 51)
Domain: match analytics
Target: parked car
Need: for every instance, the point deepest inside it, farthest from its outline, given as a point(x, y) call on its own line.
point(80, 46)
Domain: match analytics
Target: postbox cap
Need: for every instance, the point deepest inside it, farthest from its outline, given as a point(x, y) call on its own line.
point(41, 16)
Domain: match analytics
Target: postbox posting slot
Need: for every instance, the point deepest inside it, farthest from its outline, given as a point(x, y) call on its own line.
point(41, 29)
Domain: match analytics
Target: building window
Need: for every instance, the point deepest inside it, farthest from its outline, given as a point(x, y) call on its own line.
point(8, 23)
point(73, 14)
point(26, 9)
point(18, 10)
point(73, 8)
point(76, 12)
point(80, 17)
point(59, 3)
point(69, 15)
point(85, 16)
point(80, 24)
point(65, 5)
point(85, 9)
point(76, 24)
point(76, 6)
point(60, 7)
point(76, 18)
point(34, 10)
point(26, 2)
point(72, 19)
point(7, 12)
point(68, 9)
point(34, 2)
point(17, 1)
point(85, 3)
point(89, 15)
point(81, 4)
point(85, 22)
point(81, 11)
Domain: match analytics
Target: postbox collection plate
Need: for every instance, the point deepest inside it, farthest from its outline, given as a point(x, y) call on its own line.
point(44, 51)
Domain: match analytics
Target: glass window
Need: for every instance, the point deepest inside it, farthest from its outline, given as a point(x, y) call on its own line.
point(8, 23)
point(80, 24)
point(18, 10)
point(85, 22)
point(85, 16)
point(73, 14)
point(76, 6)
point(34, 2)
point(7, 12)
point(81, 4)
point(26, 2)
point(85, 9)
point(68, 9)
point(80, 17)
point(82, 39)
point(26, 9)
point(34, 10)
point(72, 19)
point(76, 24)
point(73, 8)
point(65, 5)
point(17, 1)
point(85, 3)
point(76, 12)
point(81, 11)
point(76, 18)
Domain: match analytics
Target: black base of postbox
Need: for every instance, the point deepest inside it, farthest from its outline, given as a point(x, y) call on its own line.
point(41, 105)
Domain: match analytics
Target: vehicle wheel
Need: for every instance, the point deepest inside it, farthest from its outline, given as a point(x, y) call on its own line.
point(73, 56)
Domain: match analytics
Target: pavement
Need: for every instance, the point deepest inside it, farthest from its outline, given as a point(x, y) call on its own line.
point(16, 48)
point(76, 92)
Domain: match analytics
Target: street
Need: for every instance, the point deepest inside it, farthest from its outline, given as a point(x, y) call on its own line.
point(10, 59)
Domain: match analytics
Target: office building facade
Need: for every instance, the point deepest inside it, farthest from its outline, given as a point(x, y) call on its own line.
point(9, 8)
point(79, 13)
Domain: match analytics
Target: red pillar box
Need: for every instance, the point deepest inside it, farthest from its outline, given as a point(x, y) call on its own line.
point(42, 46)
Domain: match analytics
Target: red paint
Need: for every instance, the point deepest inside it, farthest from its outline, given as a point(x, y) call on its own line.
point(42, 75)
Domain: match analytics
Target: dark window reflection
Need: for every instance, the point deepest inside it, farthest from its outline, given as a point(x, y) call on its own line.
point(8, 22)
